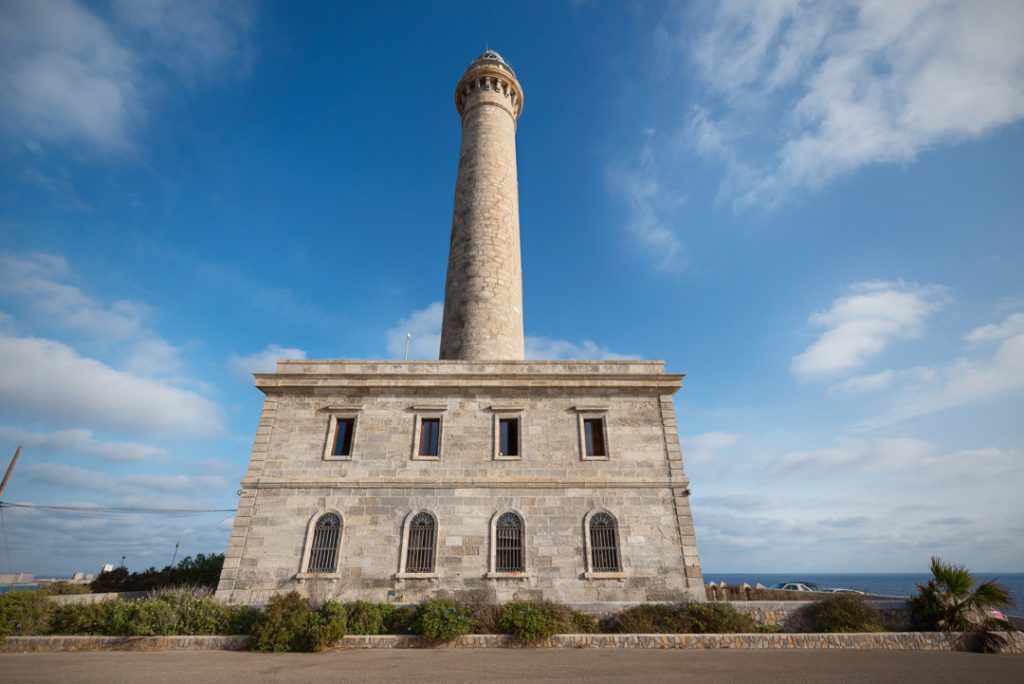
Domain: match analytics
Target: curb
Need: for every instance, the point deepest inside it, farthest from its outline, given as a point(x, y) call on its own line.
point(873, 641)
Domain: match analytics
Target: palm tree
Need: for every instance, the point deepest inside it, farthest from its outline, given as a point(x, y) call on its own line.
point(951, 602)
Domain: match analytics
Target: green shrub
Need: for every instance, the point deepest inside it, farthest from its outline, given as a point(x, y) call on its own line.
point(844, 613)
point(486, 617)
point(326, 626)
point(769, 629)
point(682, 618)
point(197, 612)
point(63, 588)
point(648, 618)
point(717, 618)
point(401, 620)
point(584, 623)
point(368, 618)
point(442, 620)
point(82, 618)
point(528, 621)
point(24, 613)
point(283, 625)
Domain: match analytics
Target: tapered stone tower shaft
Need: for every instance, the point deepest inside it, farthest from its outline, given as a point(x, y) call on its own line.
point(483, 295)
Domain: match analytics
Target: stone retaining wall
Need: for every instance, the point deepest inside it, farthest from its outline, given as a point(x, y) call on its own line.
point(792, 616)
point(886, 641)
point(39, 644)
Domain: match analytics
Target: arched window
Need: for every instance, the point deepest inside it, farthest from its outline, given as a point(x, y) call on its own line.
point(508, 544)
point(420, 550)
point(604, 543)
point(323, 551)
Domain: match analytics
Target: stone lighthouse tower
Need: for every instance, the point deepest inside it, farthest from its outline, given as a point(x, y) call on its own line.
point(483, 297)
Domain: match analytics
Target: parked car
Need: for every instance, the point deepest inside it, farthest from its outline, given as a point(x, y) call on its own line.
point(840, 590)
point(795, 586)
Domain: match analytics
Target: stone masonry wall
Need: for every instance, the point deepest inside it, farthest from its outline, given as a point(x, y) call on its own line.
point(551, 486)
point(483, 301)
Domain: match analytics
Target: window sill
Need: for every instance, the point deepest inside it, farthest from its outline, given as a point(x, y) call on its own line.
point(337, 458)
point(595, 458)
point(417, 576)
point(604, 575)
point(502, 457)
point(417, 457)
point(302, 576)
point(507, 575)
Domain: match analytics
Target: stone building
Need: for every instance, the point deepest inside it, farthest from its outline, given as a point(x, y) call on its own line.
point(481, 475)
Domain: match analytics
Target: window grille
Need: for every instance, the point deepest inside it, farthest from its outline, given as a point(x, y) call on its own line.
point(604, 543)
point(508, 544)
point(420, 554)
point(593, 430)
point(323, 553)
point(430, 431)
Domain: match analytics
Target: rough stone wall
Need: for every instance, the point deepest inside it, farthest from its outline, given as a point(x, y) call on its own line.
point(552, 487)
point(483, 301)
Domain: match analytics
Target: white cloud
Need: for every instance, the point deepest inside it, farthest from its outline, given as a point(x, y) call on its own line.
point(841, 85)
point(425, 326)
point(705, 448)
point(45, 379)
point(74, 477)
point(40, 279)
point(83, 442)
point(651, 205)
point(1013, 325)
point(862, 323)
point(966, 381)
point(861, 384)
point(264, 361)
point(195, 38)
point(545, 348)
point(65, 77)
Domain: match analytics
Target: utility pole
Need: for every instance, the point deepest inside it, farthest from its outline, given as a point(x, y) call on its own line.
point(10, 469)
point(175, 556)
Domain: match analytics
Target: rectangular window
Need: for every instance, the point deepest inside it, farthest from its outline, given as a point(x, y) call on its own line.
point(509, 445)
point(593, 432)
point(430, 432)
point(343, 437)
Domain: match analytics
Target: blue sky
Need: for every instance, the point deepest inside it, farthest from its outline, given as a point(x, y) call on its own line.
point(811, 209)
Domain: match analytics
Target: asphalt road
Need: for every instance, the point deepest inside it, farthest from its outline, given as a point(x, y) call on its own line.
point(511, 666)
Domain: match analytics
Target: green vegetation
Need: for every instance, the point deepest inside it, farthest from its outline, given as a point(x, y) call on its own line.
point(64, 588)
point(24, 613)
point(530, 621)
point(844, 613)
point(442, 620)
point(681, 618)
point(952, 601)
point(201, 571)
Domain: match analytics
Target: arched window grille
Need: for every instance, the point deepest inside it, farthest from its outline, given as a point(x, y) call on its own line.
point(323, 552)
point(508, 544)
point(604, 543)
point(420, 554)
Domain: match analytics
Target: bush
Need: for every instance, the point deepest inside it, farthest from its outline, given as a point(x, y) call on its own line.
point(529, 622)
point(201, 571)
point(283, 625)
point(682, 618)
point(717, 618)
point(441, 620)
point(63, 588)
point(401, 620)
point(326, 625)
point(24, 613)
point(584, 623)
point(368, 618)
point(844, 613)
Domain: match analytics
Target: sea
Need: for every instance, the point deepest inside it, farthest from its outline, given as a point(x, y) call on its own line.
point(885, 584)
